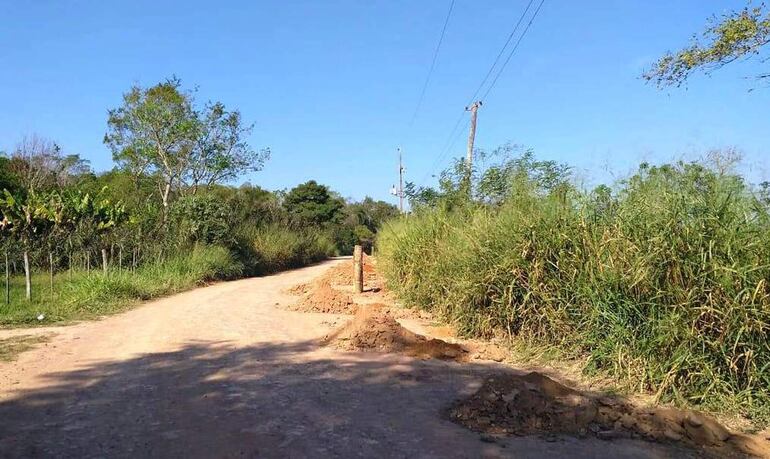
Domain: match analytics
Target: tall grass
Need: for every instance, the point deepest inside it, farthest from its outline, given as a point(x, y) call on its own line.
point(272, 248)
point(87, 295)
point(663, 283)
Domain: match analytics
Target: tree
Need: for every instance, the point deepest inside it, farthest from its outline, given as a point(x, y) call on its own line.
point(735, 35)
point(311, 203)
point(221, 154)
point(28, 219)
point(8, 178)
point(39, 165)
point(201, 218)
point(370, 213)
point(154, 132)
point(158, 132)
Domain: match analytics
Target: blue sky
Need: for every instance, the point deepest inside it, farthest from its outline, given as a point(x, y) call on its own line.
point(331, 85)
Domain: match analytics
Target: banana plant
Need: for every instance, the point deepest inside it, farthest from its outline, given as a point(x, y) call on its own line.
point(26, 219)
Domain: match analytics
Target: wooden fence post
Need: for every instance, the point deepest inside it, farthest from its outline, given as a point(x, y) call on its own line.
point(104, 260)
point(358, 268)
point(50, 264)
point(7, 281)
point(27, 276)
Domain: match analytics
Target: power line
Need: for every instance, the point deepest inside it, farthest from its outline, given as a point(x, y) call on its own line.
point(502, 50)
point(515, 47)
point(432, 66)
point(424, 89)
point(452, 139)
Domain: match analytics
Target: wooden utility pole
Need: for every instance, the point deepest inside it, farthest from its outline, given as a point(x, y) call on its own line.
point(400, 182)
point(358, 268)
point(474, 108)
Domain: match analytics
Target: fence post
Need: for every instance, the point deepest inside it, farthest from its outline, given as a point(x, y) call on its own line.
point(358, 268)
point(104, 260)
point(50, 264)
point(7, 281)
point(27, 276)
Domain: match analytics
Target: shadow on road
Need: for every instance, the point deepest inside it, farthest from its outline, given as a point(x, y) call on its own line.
point(269, 400)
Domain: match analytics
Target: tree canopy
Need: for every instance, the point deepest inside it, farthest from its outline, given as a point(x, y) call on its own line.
point(312, 203)
point(159, 132)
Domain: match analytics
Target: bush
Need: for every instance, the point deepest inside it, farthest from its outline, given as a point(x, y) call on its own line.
point(274, 248)
point(663, 282)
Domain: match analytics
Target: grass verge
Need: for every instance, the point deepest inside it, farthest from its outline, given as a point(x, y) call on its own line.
point(83, 295)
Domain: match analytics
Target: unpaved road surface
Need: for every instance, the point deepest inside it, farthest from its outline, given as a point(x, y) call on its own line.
point(227, 371)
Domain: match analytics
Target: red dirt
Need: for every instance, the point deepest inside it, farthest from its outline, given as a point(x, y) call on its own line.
point(373, 329)
point(300, 289)
point(536, 404)
point(325, 299)
point(343, 275)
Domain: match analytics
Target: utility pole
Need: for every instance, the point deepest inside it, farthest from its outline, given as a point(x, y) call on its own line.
point(400, 190)
point(400, 182)
point(473, 108)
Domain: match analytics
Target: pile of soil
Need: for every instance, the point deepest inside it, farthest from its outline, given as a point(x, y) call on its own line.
point(373, 329)
point(342, 274)
point(536, 404)
point(327, 300)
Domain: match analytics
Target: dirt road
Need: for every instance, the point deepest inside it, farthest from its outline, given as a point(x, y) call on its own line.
point(226, 371)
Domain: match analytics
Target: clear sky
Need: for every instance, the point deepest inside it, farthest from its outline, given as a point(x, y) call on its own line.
point(331, 85)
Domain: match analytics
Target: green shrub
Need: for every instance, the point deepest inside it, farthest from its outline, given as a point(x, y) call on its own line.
point(275, 248)
point(663, 282)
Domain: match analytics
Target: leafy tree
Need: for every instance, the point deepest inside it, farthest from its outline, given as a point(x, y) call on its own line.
point(371, 214)
point(497, 176)
point(201, 218)
point(312, 204)
point(8, 179)
point(728, 38)
point(221, 153)
point(158, 132)
point(154, 132)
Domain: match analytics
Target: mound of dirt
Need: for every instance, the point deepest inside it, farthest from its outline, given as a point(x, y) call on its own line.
point(342, 274)
point(373, 329)
point(536, 404)
point(325, 299)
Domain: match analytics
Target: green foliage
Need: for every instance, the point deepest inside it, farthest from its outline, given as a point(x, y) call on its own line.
point(200, 219)
point(8, 179)
point(158, 132)
point(312, 204)
point(731, 37)
point(662, 281)
point(274, 248)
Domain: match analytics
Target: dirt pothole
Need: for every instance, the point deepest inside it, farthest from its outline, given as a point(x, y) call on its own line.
point(534, 404)
point(373, 329)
